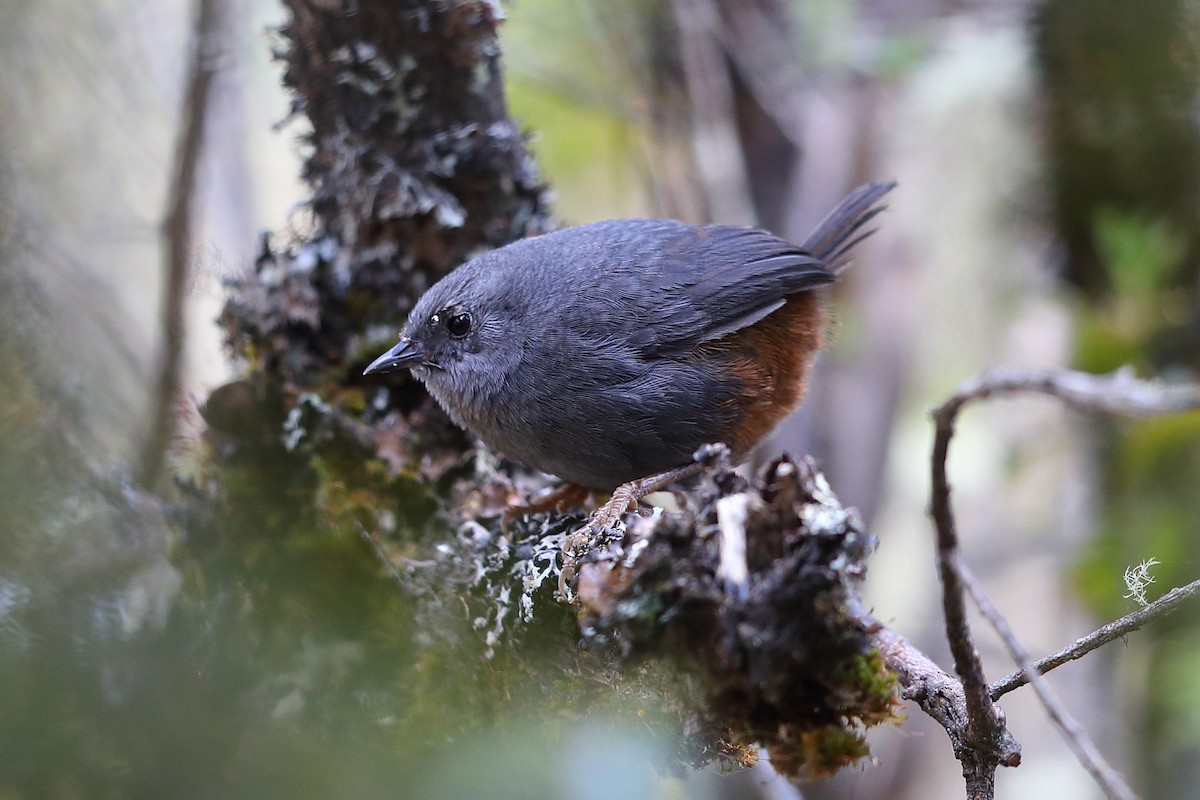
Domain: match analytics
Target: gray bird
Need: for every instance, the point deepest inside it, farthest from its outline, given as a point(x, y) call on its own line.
point(610, 352)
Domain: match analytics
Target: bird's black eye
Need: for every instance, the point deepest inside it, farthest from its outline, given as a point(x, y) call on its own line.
point(459, 323)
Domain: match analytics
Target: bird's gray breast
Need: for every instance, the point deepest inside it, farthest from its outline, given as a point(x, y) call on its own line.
point(601, 416)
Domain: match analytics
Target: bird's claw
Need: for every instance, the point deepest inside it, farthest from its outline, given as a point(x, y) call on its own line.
point(580, 540)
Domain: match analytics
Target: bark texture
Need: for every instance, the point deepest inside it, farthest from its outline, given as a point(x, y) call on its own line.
point(414, 166)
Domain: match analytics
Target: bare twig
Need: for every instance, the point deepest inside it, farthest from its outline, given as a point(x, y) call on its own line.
point(1119, 393)
point(990, 743)
point(1085, 750)
point(1113, 630)
point(177, 235)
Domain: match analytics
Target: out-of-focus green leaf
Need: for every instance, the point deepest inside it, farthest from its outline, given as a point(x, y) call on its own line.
point(1103, 346)
point(1139, 251)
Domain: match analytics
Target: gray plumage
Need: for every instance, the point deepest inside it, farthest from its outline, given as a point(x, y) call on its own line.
point(584, 351)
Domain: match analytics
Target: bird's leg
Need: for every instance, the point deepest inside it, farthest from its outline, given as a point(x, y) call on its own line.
point(624, 496)
point(560, 498)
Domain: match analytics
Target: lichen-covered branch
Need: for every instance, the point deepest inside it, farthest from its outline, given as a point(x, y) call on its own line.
point(753, 588)
point(414, 166)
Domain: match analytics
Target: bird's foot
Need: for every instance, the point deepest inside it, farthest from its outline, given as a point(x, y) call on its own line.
point(606, 516)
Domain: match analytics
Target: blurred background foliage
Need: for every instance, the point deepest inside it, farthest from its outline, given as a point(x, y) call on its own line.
point(1049, 161)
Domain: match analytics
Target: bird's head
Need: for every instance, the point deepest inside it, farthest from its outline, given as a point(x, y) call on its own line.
point(460, 340)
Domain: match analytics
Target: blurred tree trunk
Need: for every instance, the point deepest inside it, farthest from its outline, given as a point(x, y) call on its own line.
point(414, 166)
point(769, 148)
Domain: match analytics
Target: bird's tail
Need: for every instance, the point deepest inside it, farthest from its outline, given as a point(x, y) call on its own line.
point(839, 232)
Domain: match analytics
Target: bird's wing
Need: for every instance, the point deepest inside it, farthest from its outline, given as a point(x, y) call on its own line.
point(720, 279)
point(657, 286)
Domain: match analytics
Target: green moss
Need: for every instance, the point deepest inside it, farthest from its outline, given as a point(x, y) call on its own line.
point(877, 689)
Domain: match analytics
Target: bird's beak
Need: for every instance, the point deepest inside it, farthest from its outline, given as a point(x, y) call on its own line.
point(405, 354)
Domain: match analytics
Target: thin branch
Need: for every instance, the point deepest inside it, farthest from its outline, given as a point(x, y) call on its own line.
point(1113, 630)
point(992, 745)
point(177, 235)
point(1118, 393)
point(1085, 750)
